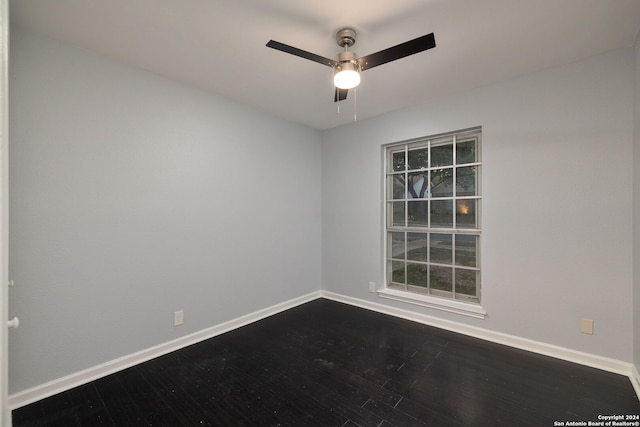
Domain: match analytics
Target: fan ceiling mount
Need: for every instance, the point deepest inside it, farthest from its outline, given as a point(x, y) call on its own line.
point(346, 37)
point(347, 66)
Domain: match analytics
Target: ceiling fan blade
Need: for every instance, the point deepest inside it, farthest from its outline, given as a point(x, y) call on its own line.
point(397, 52)
point(302, 53)
point(340, 95)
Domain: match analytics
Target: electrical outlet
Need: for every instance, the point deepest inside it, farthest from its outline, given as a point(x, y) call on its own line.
point(586, 326)
point(178, 318)
point(372, 287)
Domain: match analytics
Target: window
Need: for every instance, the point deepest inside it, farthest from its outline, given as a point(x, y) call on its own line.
point(432, 233)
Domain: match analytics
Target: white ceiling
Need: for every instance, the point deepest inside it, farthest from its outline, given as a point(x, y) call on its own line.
point(219, 45)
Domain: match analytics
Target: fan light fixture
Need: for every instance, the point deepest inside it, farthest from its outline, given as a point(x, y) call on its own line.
point(347, 70)
point(347, 76)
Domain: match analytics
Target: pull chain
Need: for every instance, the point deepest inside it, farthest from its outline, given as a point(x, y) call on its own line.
point(355, 104)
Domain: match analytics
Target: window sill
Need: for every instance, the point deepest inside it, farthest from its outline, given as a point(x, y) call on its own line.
point(465, 309)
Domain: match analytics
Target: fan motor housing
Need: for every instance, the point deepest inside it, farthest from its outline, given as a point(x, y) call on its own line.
point(347, 56)
point(347, 61)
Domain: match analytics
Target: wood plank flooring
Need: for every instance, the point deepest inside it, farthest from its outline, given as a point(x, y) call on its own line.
point(329, 364)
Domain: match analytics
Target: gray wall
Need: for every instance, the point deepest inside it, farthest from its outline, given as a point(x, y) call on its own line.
point(132, 197)
point(557, 200)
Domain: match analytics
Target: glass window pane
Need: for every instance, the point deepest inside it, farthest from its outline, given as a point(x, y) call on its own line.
point(432, 186)
point(417, 275)
point(466, 181)
point(442, 182)
point(419, 158)
point(467, 250)
point(441, 248)
point(466, 213)
point(417, 246)
point(418, 214)
point(397, 161)
point(466, 282)
point(442, 213)
point(466, 152)
point(396, 272)
point(442, 155)
point(417, 187)
point(440, 278)
point(395, 214)
point(396, 240)
point(396, 183)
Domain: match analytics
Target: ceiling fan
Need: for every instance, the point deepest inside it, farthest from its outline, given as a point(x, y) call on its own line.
point(347, 67)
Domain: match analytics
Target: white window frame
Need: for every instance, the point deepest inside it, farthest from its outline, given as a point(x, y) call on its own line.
point(469, 306)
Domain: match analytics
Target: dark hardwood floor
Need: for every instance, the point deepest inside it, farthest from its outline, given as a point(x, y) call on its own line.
point(329, 364)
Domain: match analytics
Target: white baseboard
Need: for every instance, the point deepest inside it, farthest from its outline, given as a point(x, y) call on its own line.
point(50, 388)
point(595, 361)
